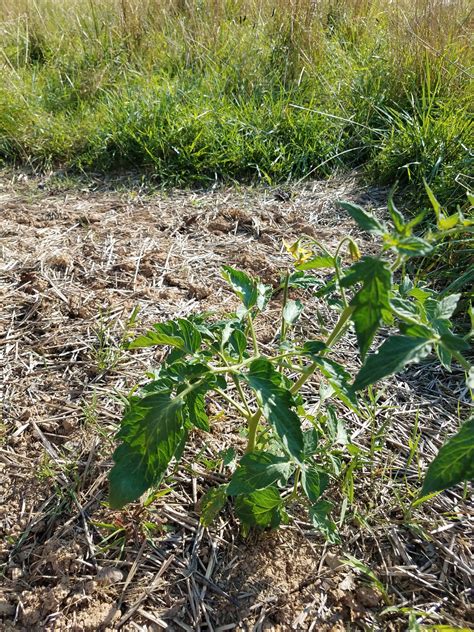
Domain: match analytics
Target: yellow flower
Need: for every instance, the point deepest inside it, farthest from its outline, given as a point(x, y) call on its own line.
point(299, 253)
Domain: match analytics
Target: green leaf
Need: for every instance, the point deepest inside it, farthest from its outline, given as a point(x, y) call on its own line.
point(243, 285)
point(465, 279)
point(318, 514)
point(338, 378)
point(415, 221)
point(371, 302)
point(365, 220)
point(180, 333)
point(317, 263)
point(413, 246)
point(161, 334)
point(264, 294)
point(196, 406)
point(292, 311)
point(454, 462)
point(336, 427)
point(313, 347)
point(314, 482)
point(397, 217)
point(434, 202)
point(261, 509)
point(129, 477)
point(446, 223)
point(445, 307)
point(454, 343)
point(191, 337)
point(257, 470)
point(151, 432)
point(310, 441)
point(392, 356)
point(277, 403)
point(211, 504)
point(301, 280)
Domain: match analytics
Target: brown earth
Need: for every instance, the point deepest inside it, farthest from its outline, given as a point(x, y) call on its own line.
point(75, 261)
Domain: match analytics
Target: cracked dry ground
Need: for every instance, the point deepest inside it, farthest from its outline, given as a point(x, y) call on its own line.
point(75, 263)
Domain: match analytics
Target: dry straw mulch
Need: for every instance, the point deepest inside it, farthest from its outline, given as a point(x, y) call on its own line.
point(75, 263)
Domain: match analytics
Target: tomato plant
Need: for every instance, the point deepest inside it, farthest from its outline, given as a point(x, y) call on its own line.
point(289, 446)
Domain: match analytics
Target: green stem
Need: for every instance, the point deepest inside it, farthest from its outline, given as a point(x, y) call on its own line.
point(462, 360)
point(285, 300)
point(240, 390)
point(332, 339)
point(254, 337)
point(253, 425)
point(294, 493)
point(232, 402)
point(337, 269)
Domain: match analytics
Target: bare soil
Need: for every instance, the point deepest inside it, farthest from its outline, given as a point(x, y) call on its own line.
point(75, 261)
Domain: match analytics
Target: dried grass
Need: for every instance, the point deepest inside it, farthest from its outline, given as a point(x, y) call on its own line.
point(74, 265)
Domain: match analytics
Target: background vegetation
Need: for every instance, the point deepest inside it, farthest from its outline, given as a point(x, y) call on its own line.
point(198, 90)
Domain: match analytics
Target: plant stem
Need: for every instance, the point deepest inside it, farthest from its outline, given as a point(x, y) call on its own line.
point(254, 337)
point(332, 339)
point(285, 300)
point(337, 269)
point(232, 402)
point(240, 390)
point(294, 494)
point(252, 426)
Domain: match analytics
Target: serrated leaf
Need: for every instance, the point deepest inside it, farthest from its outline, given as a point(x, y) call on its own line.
point(417, 331)
point(403, 308)
point(196, 406)
point(319, 515)
point(413, 246)
point(338, 378)
point(454, 343)
point(277, 403)
point(257, 470)
point(391, 357)
point(129, 477)
point(454, 462)
point(190, 335)
point(151, 429)
point(313, 347)
point(212, 503)
point(233, 339)
point(180, 333)
point(301, 280)
point(161, 334)
point(365, 220)
point(336, 427)
point(446, 307)
point(317, 263)
point(310, 441)
point(292, 311)
point(371, 301)
point(264, 294)
point(243, 285)
point(314, 482)
point(262, 509)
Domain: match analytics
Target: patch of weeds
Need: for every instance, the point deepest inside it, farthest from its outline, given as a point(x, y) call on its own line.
point(110, 346)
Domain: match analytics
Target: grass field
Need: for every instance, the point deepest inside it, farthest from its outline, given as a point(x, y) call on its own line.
point(205, 90)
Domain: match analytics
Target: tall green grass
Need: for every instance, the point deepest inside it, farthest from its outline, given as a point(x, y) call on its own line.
point(240, 89)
